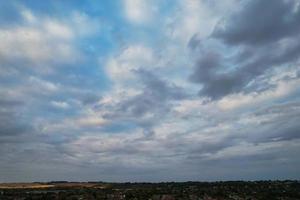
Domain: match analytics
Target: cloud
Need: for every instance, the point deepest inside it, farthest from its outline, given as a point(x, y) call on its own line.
point(37, 45)
point(139, 11)
point(192, 17)
point(234, 101)
point(224, 144)
point(121, 68)
point(226, 66)
point(45, 86)
point(9, 125)
point(260, 22)
point(14, 126)
point(60, 104)
point(41, 42)
point(215, 85)
point(281, 123)
point(196, 86)
point(148, 105)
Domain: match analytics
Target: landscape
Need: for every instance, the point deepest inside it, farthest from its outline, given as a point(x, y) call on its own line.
point(150, 99)
point(230, 190)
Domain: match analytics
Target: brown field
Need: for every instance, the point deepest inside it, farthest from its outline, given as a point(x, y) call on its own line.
point(49, 185)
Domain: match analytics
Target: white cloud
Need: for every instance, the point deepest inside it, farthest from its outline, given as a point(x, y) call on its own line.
point(44, 41)
point(36, 45)
point(57, 29)
point(122, 67)
point(91, 121)
point(234, 101)
point(83, 25)
point(60, 104)
point(139, 11)
point(192, 17)
point(43, 85)
point(196, 17)
point(73, 124)
point(28, 16)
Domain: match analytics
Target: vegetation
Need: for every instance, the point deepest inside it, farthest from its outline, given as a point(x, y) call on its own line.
point(231, 190)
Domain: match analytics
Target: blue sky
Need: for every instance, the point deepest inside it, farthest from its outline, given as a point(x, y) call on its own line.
point(160, 90)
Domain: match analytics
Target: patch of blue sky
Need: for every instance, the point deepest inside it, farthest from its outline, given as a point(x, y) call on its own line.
point(120, 127)
point(9, 14)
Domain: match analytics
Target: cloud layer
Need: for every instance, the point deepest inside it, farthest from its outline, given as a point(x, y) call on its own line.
point(149, 91)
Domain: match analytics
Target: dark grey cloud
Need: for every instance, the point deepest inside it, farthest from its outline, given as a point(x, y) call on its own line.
point(260, 22)
point(155, 100)
point(10, 118)
point(215, 85)
point(284, 124)
point(10, 127)
point(155, 96)
point(90, 98)
point(267, 36)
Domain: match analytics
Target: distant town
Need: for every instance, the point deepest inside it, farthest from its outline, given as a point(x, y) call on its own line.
point(228, 190)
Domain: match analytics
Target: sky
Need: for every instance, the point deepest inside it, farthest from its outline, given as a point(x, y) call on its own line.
point(149, 90)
